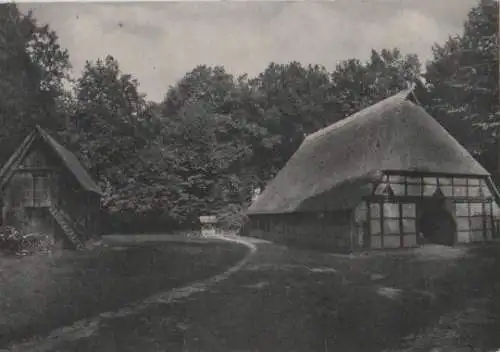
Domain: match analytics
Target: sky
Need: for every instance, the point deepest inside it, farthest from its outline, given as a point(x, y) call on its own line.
point(159, 42)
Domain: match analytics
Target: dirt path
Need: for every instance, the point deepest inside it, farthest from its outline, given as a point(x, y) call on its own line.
point(292, 300)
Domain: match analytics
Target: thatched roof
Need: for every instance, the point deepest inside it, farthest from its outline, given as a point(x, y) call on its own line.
point(67, 158)
point(340, 160)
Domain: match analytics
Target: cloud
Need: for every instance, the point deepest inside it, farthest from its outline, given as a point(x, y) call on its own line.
point(159, 42)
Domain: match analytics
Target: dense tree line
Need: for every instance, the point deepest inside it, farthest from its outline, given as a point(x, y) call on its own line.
point(216, 137)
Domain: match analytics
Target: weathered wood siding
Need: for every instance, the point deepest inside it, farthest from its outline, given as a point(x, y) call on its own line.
point(40, 181)
point(329, 230)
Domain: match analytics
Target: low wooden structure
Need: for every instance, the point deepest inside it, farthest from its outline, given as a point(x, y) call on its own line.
point(208, 225)
point(44, 189)
point(389, 176)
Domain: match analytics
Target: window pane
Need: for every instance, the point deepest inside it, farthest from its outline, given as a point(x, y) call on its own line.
point(474, 191)
point(462, 209)
point(476, 208)
point(463, 224)
point(476, 223)
point(486, 191)
point(398, 189)
point(445, 181)
point(391, 227)
point(460, 181)
point(396, 178)
point(477, 235)
point(474, 182)
point(447, 190)
point(374, 210)
point(409, 210)
point(409, 226)
point(429, 190)
point(460, 191)
point(414, 190)
point(391, 210)
point(430, 180)
point(375, 226)
point(414, 180)
point(376, 242)
point(463, 237)
point(392, 241)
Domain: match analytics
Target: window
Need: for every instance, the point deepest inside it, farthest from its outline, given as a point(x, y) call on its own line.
point(391, 226)
point(473, 221)
point(429, 190)
point(41, 189)
point(375, 210)
point(375, 227)
point(409, 210)
point(460, 191)
point(391, 210)
point(414, 189)
point(409, 226)
point(447, 191)
point(397, 227)
point(416, 186)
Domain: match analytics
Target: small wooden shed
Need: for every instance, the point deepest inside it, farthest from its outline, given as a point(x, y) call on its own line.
point(208, 225)
point(44, 189)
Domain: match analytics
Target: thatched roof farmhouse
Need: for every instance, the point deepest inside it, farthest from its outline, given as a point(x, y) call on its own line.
point(388, 176)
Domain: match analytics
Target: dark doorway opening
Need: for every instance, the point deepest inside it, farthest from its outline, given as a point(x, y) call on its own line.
point(436, 223)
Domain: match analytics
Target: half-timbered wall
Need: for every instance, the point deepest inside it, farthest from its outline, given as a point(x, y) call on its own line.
point(394, 207)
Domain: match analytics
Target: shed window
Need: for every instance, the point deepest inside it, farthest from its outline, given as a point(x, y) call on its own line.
point(40, 188)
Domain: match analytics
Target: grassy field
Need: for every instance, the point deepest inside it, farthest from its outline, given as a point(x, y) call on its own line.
point(41, 293)
point(294, 300)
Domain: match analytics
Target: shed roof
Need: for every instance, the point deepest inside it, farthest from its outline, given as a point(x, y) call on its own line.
point(394, 134)
point(67, 158)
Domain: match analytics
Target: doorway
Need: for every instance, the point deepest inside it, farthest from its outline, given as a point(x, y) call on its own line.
point(436, 223)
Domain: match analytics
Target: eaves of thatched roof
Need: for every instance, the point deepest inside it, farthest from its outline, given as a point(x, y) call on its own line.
point(341, 159)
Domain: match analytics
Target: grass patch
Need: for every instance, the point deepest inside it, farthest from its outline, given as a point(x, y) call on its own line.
point(41, 293)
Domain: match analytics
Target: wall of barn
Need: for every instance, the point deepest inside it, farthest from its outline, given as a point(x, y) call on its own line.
point(390, 218)
point(328, 230)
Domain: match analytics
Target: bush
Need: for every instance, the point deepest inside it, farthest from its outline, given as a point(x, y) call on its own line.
point(14, 241)
point(232, 217)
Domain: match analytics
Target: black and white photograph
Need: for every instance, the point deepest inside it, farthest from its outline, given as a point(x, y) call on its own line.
point(250, 176)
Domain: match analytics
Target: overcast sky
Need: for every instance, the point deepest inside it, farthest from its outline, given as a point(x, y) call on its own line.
point(159, 42)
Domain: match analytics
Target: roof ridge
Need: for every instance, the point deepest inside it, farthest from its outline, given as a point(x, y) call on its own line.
point(403, 95)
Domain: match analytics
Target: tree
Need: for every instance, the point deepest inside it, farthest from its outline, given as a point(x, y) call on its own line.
point(211, 85)
point(110, 122)
point(357, 85)
point(32, 69)
point(291, 101)
point(464, 80)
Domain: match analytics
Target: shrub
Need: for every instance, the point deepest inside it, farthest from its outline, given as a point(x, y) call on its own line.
point(232, 217)
point(16, 242)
